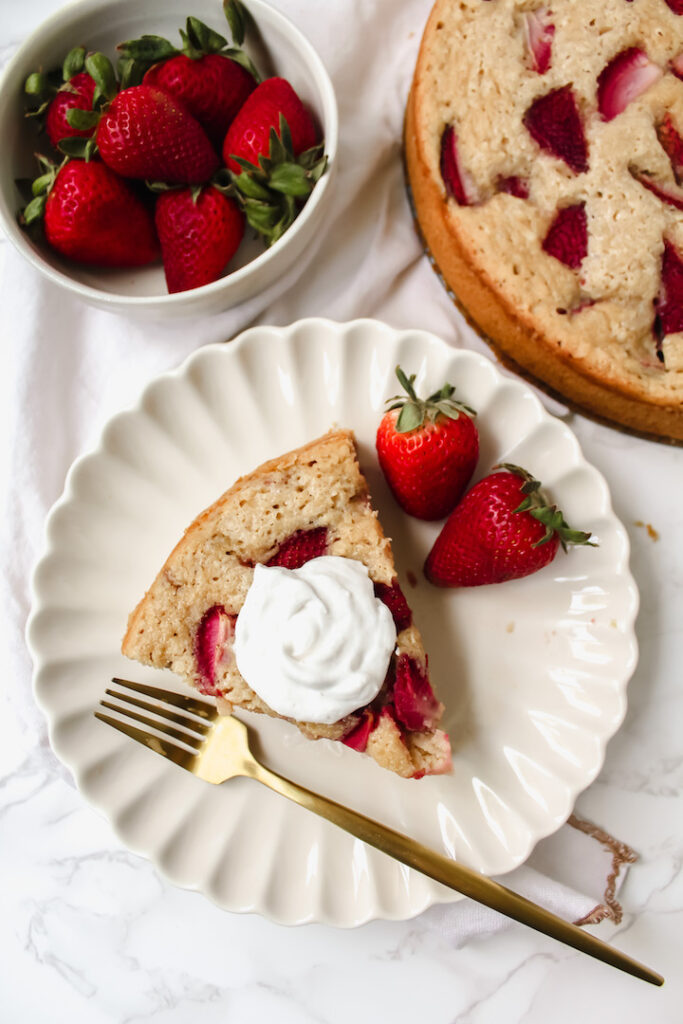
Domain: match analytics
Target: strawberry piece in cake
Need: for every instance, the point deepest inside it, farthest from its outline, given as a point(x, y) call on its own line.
point(289, 516)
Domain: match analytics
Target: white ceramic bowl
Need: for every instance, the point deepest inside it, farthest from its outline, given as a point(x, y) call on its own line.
point(100, 25)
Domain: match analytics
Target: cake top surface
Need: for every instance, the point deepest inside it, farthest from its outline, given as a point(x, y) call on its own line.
point(561, 108)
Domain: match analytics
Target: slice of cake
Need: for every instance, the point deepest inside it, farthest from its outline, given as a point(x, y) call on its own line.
point(309, 504)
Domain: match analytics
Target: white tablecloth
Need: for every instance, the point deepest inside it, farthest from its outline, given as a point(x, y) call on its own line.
point(66, 368)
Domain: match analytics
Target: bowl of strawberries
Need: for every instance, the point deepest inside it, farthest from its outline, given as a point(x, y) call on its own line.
point(165, 163)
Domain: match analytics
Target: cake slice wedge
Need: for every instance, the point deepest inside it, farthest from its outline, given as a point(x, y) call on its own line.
point(308, 503)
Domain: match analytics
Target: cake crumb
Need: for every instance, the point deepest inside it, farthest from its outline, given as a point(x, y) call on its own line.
point(510, 628)
point(651, 532)
point(412, 578)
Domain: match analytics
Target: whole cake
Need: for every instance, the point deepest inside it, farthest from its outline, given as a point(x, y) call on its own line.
point(289, 576)
point(544, 151)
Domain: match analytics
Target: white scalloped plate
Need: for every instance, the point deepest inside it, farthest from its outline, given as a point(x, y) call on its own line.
point(533, 672)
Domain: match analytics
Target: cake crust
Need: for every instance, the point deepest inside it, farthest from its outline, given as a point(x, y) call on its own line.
point(591, 376)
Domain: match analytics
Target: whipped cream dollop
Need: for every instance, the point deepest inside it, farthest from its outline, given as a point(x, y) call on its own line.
point(315, 642)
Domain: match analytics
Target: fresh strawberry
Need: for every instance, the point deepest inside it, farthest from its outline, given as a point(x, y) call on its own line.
point(567, 238)
point(200, 231)
point(539, 31)
point(502, 529)
point(272, 159)
point(553, 121)
point(669, 194)
point(146, 134)
point(76, 94)
point(211, 80)
point(514, 186)
point(215, 631)
point(357, 739)
point(427, 449)
point(213, 88)
point(300, 548)
point(672, 144)
point(394, 598)
point(624, 79)
point(91, 215)
point(675, 5)
point(415, 705)
point(459, 183)
point(670, 301)
point(55, 93)
point(249, 135)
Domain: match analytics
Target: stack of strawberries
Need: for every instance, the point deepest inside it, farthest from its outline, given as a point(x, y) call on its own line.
point(171, 153)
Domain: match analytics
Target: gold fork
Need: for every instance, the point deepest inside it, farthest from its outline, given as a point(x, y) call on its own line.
point(216, 748)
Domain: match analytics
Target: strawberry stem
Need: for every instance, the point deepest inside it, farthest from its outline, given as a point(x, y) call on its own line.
point(536, 504)
point(415, 410)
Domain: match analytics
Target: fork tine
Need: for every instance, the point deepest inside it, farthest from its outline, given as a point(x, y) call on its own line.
point(163, 712)
point(202, 708)
point(168, 730)
point(181, 757)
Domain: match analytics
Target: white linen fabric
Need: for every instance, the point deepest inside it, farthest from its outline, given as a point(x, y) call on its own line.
point(67, 367)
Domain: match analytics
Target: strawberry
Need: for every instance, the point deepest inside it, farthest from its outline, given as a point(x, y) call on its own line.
point(672, 144)
point(415, 705)
point(91, 215)
point(539, 31)
point(272, 158)
point(209, 79)
point(394, 598)
point(200, 231)
point(669, 318)
point(669, 194)
point(427, 449)
point(675, 5)
point(567, 238)
point(77, 94)
point(300, 548)
point(514, 186)
point(553, 122)
point(214, 633)
point(357, 739)
point(248, 137)
point(624, 79)
point(146, 134)
point(503, 529)
point(458, 181)
point(57, 92)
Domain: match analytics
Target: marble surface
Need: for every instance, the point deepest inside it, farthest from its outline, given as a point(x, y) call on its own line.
point(88, 931)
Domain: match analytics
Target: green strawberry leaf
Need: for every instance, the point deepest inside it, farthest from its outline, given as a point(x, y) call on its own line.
point(291, 179)
point(78, 147)
point(250, 187)
point(407, 382)
point(100, 69)
point(261, 216)
point(238, 19)
point(34, 211)
point(148, 48)
point(82, 120)
point(310, 158)
point(410, 417)
point(203, 38)
point(36, 85)
point(74, 62)
point(42, 184)
point(130, 72)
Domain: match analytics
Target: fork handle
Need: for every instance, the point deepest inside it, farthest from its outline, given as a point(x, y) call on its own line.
point(452, 874)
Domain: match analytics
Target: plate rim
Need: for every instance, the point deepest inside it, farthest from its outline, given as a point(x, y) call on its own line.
point(436, 895)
